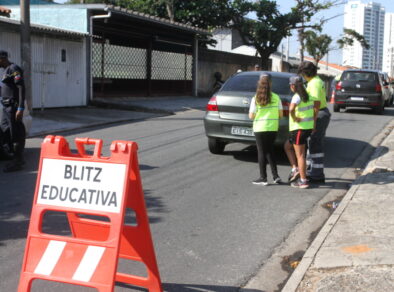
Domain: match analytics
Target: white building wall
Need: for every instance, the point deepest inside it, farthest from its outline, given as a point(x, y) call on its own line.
point(368, 20)
point(70, 17)
point(388, 49)
point(352, 55)
point(223, 38)
point(55, 83)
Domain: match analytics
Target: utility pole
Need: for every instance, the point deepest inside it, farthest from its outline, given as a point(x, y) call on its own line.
point(288, 49)
point(26, 49)
point(281, 58)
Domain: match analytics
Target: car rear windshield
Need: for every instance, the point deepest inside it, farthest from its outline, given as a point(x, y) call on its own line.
point(280, 85)
point(359, 76)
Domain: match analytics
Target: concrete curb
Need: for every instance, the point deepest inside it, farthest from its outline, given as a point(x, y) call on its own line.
point(299, 273)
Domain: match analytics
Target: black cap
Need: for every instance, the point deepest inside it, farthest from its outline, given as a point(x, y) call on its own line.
point(307, 68)
point(295, 79)
point(3, 54)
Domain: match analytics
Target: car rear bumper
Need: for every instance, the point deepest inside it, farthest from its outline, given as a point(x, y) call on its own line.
point(358, 99)
point(218, 128)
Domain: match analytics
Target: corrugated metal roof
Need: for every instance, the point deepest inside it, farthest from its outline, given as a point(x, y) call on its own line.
point(117, 9)
point(44, 28)
point(32, 2)
point(156, 19)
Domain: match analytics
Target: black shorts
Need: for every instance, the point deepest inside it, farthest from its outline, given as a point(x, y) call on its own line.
point(299, 137)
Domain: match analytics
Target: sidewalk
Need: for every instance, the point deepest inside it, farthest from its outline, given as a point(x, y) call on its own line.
point(354, 251)
point(109, 111)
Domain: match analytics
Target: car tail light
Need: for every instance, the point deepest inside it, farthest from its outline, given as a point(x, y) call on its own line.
point(285, 106)
point(212, 105)
point(338, 86)
point(378, 88)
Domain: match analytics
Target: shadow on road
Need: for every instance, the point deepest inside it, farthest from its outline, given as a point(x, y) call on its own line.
point(339, 153)
point(388, 111)
point(171, 287)
point(16, 199)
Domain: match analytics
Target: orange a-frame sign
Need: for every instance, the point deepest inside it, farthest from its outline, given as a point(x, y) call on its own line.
point(85, 184)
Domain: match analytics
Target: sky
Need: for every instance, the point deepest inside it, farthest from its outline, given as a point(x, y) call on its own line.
point(332, 28)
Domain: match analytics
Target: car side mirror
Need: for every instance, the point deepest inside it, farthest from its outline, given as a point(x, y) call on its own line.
point(385, 83)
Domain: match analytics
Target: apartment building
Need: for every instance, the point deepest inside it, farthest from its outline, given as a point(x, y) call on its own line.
point(368, 19)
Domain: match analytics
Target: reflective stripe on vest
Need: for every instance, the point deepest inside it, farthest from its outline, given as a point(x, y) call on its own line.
point(304, 111)
point(267, 117)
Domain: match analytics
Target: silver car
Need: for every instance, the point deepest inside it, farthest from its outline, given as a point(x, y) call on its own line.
point(226, 119)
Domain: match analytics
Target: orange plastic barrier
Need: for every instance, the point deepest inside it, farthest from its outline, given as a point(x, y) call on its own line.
point(93, 185)
point(332, 99)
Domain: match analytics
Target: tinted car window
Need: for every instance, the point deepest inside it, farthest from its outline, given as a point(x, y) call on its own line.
point(249, 84)
point(359, 76)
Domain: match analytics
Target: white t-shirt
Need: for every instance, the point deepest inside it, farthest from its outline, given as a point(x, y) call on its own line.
point(296, 99)
point(252, 107)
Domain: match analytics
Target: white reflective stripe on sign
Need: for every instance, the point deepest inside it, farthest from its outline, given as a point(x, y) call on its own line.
point(50, 257)
point(89, 263)
point(316, 155)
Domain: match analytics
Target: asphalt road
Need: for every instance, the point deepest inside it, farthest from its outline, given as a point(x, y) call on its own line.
point(212, 228)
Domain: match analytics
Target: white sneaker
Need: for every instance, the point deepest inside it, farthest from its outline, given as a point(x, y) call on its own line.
point(260, 181)
point(277, 180)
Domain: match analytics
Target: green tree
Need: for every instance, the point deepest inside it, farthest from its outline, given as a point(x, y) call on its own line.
point(307, 9)
point(265, 33)
point(350, 36)
point(317, 45)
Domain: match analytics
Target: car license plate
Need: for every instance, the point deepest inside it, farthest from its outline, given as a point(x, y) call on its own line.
point(357, 98)
point(243, 131)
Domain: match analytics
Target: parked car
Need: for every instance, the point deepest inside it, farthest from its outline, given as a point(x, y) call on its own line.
point(390, 87)
point(226, 119)
point(362, 88)
point(27, 122)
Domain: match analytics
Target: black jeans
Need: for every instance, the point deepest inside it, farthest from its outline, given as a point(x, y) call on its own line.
point(14, 131)
point(265, 152)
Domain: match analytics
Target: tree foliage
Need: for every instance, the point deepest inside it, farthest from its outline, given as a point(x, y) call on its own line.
point(317, 45)
point(204, 14)
point(307, 9)
point(265, 33)
point(350, 36)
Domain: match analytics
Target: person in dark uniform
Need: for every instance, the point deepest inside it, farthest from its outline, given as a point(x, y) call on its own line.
point(13, 101)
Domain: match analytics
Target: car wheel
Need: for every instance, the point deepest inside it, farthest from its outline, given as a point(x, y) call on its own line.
point(336, 108)
point(216, 146)
point(379, 110)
